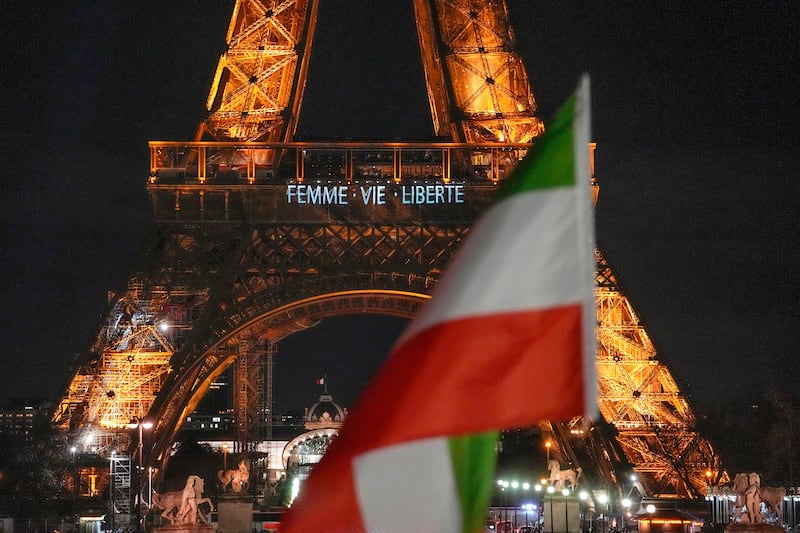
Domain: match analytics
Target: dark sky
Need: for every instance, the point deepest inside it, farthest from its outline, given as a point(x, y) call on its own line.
point(695, 116)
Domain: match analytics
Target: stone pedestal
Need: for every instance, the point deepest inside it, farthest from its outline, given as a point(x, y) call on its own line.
point(561, 514)
point(235, 514)
point(184, 528)
point(753, 528)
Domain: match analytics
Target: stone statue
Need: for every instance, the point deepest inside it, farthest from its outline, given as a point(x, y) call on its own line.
point(746, 509)
point(182, 506)
point(749, 497)
point(236, 479)
point(561, 477)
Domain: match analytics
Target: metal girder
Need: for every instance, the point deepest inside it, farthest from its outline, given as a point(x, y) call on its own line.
point(259, 81)
point(477, 84)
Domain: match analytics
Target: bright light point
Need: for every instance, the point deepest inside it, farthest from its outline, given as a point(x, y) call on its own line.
point(603, 498)
point(527, 507)
point(500, 482)
point(514, 484)
point(583, 495)
point(633, 477)
point(551, 489)
point(565, 492)
point(147, 424)
point(526, 486)
point(164, 327)
point(87, 439)
point(73, 449)
point(537, 487)
point(626, 503)
point(651, 508)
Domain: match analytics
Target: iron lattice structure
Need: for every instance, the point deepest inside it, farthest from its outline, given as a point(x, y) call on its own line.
point(258, 237)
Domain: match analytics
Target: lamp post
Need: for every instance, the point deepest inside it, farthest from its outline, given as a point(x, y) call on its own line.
point(113, 490)
point(602, 499)
point(503, 484)
point(626, 504)
point(141, 424)
point(547, 446)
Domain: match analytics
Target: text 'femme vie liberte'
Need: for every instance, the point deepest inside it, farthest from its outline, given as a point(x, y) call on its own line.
point(374, 194)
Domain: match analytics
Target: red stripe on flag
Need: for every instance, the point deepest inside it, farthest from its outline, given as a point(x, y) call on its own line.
point(474, 375)
point(458, 377)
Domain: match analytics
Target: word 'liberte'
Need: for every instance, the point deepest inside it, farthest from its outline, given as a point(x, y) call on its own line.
point(374, 194)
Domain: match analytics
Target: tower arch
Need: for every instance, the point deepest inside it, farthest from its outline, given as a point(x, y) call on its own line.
point(270, 325)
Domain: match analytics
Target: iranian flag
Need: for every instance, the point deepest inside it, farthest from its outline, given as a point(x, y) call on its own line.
point(506, 341)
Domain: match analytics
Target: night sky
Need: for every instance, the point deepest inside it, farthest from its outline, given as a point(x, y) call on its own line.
point(695, 116)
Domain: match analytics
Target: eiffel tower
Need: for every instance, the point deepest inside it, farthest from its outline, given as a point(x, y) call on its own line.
point(259, 236)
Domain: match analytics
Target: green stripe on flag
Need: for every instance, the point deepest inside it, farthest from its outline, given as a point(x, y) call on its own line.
point(550, 162)
point(474, 458)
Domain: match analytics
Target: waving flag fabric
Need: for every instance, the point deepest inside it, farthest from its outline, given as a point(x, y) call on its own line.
point(506, 341)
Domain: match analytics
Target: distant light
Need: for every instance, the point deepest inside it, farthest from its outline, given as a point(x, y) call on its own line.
point(295, 489)
point(565, 492)
point(537, 487)
point(602, 498)
point(164, 326)
point(583, 495)
point(626, 502)
point(650, 508)
point(551, 489)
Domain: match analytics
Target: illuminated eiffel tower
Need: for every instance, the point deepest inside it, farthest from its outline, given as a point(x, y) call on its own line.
point(259, 237)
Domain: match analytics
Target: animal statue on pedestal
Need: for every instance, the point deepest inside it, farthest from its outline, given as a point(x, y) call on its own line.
point(181, 506)
point(192, 498)
point(237, 479)
point(773, 498)
point(747, 508)
point(560, 477)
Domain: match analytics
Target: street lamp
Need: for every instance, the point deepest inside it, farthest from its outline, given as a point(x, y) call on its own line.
point(602, 499)
point(528, 508)
point(548, 445)
point(141, 424)
point(626, 503)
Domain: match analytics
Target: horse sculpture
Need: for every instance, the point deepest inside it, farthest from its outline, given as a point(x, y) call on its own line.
point(561, 477)
point(749, 497)
point(181, 506)
point(748, 502)
point(191, 498)
point(170, 503)
point(773, 497)
point(236, 479)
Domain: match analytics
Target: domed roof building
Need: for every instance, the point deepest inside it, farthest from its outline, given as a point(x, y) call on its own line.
point(325, 414)
point(322, 420)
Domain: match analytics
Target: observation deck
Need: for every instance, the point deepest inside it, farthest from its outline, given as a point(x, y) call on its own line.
point(316, 181)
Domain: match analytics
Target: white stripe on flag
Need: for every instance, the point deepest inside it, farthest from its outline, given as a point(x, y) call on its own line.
point(520, 256)
point(417, 477)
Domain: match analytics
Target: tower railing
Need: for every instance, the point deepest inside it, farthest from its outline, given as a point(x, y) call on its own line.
point(244, 163)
